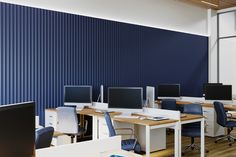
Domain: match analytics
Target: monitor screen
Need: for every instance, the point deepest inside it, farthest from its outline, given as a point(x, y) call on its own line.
point(17, 131)
point(209, 84)
point(168, 90)
point(218, 92)
point(125, 97)
point(78, 94)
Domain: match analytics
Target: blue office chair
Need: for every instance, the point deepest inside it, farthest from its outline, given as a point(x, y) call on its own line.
point(169, 104)
point(68, 123)
point(224, 122)
point(43, 137)
point(192, 130)
point(128, 144)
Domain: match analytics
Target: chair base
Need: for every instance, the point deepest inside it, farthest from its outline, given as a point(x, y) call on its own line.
point(230, 138)
point(193, 146)
point(74, 137)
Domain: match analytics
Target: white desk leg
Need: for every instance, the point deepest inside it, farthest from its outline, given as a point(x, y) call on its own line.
point(177, 139)
point(147, 141)
point(95, 128)
point(202, 138)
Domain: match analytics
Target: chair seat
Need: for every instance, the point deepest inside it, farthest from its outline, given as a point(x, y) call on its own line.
point(128, 145)
point(230, 124)
point(81, 131)
point(191, 132)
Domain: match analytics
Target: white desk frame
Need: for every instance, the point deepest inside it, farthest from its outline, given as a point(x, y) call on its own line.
point(177, 126)
point(202, 135)
point(167, 113)
point(174, 125)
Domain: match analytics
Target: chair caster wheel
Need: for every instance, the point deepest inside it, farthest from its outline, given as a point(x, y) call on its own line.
point(215, 141)
point(182, 154)
point(230, 144)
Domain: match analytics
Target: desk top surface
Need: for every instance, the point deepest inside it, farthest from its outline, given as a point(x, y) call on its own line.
point(191, 117)
point(138, 121)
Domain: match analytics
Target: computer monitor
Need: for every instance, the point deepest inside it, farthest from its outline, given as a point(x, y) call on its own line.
point(17, 131)
point(218, 92)
point(209, 84)
point(78, 96)
point(166, 91)
point(125, 98)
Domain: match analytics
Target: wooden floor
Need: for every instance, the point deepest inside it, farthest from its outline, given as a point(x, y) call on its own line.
point(220, 149)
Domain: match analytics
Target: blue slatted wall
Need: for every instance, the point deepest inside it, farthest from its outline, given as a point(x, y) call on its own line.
point(41, 51)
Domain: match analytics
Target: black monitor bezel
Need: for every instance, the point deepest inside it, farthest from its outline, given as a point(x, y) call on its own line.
point(141, 99)
point(166, 84)
point(76, 86)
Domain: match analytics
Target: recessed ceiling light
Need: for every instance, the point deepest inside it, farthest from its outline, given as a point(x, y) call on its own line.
point(215, 5)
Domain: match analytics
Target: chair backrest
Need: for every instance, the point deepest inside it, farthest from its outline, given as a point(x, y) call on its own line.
point(221, 115)
point(193, 109)
point(43, 137)
point(110, 126)
point(169, 104)
point(67, 120)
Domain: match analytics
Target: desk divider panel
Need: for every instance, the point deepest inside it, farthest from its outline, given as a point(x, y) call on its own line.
point(83, 149)
point(163, 113)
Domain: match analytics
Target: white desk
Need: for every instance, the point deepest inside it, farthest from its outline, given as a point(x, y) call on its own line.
point(151, 125)
point(213, 129)
point(176, 125)
point(173, 123)
point(95, 148)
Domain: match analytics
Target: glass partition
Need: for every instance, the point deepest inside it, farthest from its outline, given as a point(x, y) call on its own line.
point(227, 49)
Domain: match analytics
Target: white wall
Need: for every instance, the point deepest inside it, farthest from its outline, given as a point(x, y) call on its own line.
point(167, 14)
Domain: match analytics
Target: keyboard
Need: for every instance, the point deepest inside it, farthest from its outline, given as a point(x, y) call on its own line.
point(157, 118)
point(126, 116)
point(103, 111)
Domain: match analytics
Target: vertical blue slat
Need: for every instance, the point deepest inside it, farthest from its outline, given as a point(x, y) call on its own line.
point(41, 51)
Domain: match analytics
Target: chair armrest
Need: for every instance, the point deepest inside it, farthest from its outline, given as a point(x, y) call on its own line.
point(85, 126)
point(125, 129)
point(229, 115)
